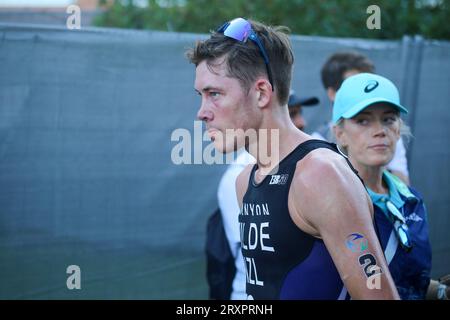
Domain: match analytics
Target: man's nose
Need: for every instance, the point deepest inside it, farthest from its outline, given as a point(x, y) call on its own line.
point(203, 113)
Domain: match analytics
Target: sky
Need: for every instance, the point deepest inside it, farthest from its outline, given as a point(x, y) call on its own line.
point(35, 3)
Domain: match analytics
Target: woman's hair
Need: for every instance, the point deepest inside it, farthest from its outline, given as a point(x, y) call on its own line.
point(405, 132)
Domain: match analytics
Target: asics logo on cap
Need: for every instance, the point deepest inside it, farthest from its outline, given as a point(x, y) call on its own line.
point(371, 86)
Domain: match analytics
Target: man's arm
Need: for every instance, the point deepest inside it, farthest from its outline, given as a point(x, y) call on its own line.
point(329, 198)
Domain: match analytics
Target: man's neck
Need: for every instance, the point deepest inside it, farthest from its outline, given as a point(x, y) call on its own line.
point(274, 143)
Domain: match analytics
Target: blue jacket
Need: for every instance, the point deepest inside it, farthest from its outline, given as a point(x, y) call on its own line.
point(410, 270)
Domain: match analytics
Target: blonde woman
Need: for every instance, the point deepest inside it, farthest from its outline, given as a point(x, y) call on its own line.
point(367, 126)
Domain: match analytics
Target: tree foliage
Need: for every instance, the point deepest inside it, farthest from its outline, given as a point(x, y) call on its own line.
point(335, 18)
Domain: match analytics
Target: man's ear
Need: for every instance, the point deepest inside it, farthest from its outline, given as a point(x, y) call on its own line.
point(340, 135)
point(331, 93)
point(264, 92)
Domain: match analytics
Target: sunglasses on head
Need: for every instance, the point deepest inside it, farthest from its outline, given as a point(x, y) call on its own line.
point(240, 29)
point(400, 227)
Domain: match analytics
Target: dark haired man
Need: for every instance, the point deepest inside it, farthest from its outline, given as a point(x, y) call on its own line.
point(298, 215)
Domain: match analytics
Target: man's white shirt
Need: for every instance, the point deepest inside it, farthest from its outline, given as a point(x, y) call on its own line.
point(229, 207)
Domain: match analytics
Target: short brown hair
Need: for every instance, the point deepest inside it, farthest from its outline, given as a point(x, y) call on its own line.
point(244, 60)
point(339, 63)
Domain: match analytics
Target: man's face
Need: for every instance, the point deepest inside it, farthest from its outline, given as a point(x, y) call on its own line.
point(225, 106)
point(295, 112)
point(349, 73)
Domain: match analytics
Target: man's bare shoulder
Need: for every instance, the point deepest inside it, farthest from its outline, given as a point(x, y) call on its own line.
point(242, 182)
point(324, 185)
point(320, 167)
point(245, 173)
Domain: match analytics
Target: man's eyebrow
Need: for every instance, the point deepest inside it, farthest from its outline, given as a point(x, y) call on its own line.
point(211, 89)
point(207, 89)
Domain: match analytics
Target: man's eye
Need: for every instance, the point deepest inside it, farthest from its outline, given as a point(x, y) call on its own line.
point(214, 94)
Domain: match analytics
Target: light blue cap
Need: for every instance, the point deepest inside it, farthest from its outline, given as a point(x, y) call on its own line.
point(362, 90)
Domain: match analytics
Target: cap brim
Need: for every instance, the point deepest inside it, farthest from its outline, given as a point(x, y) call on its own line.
point(304, 102)
point(312, 101)
point(367, 103)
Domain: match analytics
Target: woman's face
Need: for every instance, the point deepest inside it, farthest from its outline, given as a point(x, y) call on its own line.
point(370, 137)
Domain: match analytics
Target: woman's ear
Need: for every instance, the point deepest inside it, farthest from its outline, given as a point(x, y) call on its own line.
point(340, 134)
point(398, 129)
